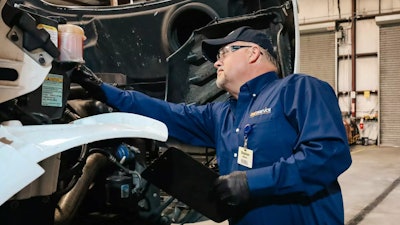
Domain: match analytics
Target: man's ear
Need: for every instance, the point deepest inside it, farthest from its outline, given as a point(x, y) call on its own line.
point(255, 54)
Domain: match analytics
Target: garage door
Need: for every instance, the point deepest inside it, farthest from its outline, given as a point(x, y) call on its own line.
point(317, 56)
point(389, 85)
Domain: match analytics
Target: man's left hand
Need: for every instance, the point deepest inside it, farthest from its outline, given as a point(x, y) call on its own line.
point(232, 188)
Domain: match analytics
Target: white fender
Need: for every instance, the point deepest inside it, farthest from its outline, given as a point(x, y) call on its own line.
point(34, 143)
point(16, 172)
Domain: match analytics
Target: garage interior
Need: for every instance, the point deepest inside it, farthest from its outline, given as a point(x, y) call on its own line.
point(353, 45)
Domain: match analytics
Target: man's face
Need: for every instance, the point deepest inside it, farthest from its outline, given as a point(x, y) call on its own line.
point(231, 60)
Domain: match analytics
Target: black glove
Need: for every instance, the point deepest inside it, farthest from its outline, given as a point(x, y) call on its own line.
point(232, 188)
point(83, 76)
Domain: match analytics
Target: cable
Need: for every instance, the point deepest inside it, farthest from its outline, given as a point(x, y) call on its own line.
point(113, 160)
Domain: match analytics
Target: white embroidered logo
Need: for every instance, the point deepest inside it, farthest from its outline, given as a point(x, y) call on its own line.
point(260, 112)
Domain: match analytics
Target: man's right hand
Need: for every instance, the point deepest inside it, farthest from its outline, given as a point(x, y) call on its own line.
point(83, 76)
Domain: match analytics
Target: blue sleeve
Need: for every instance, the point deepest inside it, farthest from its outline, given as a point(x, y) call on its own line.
point(189, 124)
point(321, 152)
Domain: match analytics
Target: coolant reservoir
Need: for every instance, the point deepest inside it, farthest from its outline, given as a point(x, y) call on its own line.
point(70, 43)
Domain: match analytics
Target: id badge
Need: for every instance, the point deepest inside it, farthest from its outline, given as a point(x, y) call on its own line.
point(245, 157)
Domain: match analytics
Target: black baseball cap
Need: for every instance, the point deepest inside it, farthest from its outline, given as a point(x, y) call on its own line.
point(210, 47)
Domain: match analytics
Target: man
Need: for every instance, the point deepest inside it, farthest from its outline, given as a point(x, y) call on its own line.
point(280, 143)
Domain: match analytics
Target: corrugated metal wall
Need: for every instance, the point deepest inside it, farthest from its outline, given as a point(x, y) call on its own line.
point(317, 55)
point(389, 85)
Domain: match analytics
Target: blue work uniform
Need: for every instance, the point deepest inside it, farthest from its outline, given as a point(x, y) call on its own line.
point(294, 129)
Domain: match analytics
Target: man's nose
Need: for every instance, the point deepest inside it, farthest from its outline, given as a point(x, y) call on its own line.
point(217, 64)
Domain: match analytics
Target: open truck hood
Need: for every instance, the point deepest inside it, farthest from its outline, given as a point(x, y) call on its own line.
point(156, 44)
point(191, 78)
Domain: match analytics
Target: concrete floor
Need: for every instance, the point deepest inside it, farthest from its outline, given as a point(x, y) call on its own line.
point(371, 190)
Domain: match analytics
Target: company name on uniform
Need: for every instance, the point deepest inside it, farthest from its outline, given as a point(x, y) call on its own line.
point(260, 112)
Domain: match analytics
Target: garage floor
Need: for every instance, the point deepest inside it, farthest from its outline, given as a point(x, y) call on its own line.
point(371, 186)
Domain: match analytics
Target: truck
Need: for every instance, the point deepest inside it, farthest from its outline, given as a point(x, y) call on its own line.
point(67, 158)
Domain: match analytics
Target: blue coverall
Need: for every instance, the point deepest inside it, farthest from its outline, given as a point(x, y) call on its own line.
point(297, 137)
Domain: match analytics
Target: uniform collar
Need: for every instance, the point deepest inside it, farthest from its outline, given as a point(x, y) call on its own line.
point(254, 86)
point(257, 84)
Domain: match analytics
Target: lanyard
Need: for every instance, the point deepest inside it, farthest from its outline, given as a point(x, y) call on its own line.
point(247, 130)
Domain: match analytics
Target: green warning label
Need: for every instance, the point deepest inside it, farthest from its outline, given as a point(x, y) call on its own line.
point(52, 90)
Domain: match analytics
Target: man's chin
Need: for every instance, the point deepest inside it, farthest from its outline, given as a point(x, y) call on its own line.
point(219, 84)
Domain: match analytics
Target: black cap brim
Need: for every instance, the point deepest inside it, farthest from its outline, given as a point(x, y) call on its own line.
point(211, 47)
